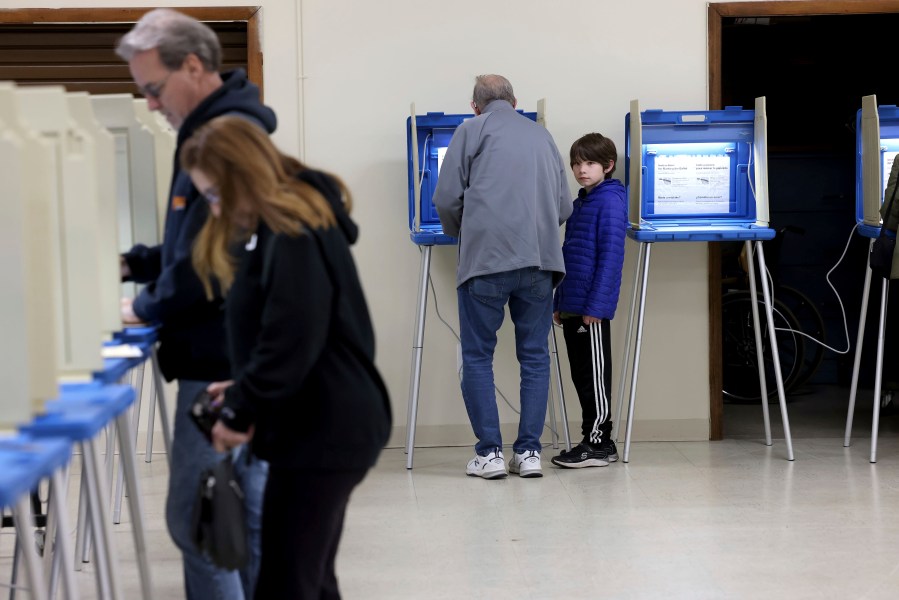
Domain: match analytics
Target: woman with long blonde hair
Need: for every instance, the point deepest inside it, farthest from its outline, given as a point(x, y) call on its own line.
point(305, 392)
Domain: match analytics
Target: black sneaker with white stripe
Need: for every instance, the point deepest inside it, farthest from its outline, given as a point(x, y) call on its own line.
point(587, 455)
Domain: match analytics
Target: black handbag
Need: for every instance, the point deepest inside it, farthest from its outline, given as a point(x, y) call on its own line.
point(881, 259)
point(219, 523)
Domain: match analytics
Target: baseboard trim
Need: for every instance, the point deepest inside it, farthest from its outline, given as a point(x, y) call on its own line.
point(654, 430)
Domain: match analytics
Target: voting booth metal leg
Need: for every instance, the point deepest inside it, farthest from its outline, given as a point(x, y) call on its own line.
point(137, 382)
point(563, 410)
point(163, 412)
point(151, 421)
point(627, 342)
point(759, 351)
point(16, 554)
point(100, 523)
point(109, 460)
point(417, 348)
point(81, 537)
point(551, 409)
point(24, 519)
point(61, 560)
point(774, 352)
point(644, 273)
point(129, 464)
point(853, 388)
point(878, 373)
point(50, 532)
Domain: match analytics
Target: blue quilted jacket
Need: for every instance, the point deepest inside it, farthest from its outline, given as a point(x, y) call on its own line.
point(594, 252)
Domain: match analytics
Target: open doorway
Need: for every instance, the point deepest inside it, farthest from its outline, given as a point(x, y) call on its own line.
point(813, 68)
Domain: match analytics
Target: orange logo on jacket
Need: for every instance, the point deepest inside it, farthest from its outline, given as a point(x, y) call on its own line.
point(179, 202)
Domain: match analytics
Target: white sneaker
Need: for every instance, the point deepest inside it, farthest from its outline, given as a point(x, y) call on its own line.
point(526, 464)
point(492, 466)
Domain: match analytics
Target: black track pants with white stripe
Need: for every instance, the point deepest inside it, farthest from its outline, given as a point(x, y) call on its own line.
point(590, 356)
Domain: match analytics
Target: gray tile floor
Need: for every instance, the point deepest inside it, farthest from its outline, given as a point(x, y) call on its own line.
point(728, 519)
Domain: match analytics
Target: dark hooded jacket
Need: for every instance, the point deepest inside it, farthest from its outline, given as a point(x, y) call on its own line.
point(302, 348)
point(192, 338)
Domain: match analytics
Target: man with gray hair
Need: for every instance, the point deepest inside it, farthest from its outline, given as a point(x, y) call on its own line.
point(175, 61)
point(503, 191)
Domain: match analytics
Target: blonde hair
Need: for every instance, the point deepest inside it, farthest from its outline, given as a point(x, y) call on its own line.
point(255, 181)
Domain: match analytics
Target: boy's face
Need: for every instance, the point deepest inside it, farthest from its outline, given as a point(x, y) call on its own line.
point(589, 173)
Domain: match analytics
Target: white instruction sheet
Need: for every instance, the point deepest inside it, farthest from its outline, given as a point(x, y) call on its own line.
point(692, 184)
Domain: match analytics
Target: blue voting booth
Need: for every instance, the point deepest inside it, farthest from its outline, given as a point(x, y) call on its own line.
point(692, 177)
point(24, 463)
point(427, 138)
point(877, 146)
point(697, 176)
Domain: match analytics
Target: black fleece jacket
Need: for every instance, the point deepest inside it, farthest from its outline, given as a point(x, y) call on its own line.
point(302, 348)
point(192, 337)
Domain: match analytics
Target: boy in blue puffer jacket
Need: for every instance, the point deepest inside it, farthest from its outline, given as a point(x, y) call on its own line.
point(586, 299)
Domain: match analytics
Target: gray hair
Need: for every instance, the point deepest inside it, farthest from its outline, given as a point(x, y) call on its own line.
point(488, 88)
point(174, 35)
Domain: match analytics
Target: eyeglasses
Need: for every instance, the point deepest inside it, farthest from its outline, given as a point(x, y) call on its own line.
point(154, 90)
point(211, 195)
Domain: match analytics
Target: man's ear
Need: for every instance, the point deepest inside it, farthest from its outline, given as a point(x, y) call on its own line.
point(193, 65)
point(610, 167)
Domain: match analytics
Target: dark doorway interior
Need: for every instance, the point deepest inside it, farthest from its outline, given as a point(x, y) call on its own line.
point(813, 71)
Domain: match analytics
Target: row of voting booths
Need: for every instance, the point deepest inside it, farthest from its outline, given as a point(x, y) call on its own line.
point(85, 177)
point(691, 176)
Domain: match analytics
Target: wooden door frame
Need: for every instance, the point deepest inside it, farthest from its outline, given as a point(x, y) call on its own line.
point(717, 12)
point(249, 14)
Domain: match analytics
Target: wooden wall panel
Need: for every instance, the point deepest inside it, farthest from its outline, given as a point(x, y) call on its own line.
point(80, 55)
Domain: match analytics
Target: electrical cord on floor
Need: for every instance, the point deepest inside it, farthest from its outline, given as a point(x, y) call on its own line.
point(459, 373)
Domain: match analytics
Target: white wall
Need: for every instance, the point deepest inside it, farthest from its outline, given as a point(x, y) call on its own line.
point(341, 75)
point(364, 63)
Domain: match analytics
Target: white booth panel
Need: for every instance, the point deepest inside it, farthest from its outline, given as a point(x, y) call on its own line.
point(107, 240)
point(15, 406)
point(135, 158)
point(74, 210)
point(165, 139)
point(122, 190)
point(42, 296)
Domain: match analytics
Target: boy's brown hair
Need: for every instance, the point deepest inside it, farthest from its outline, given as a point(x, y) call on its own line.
point(597, 148)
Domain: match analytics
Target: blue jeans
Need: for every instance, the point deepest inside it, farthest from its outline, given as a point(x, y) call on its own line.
point(482, 301)
point(191, 455)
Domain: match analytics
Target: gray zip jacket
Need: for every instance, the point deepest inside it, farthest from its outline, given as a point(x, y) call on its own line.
point(503, 191)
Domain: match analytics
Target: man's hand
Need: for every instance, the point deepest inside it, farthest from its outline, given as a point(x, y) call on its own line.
point(557, 318)
point(588, 320)
point(128, 316)
point(224, 438)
